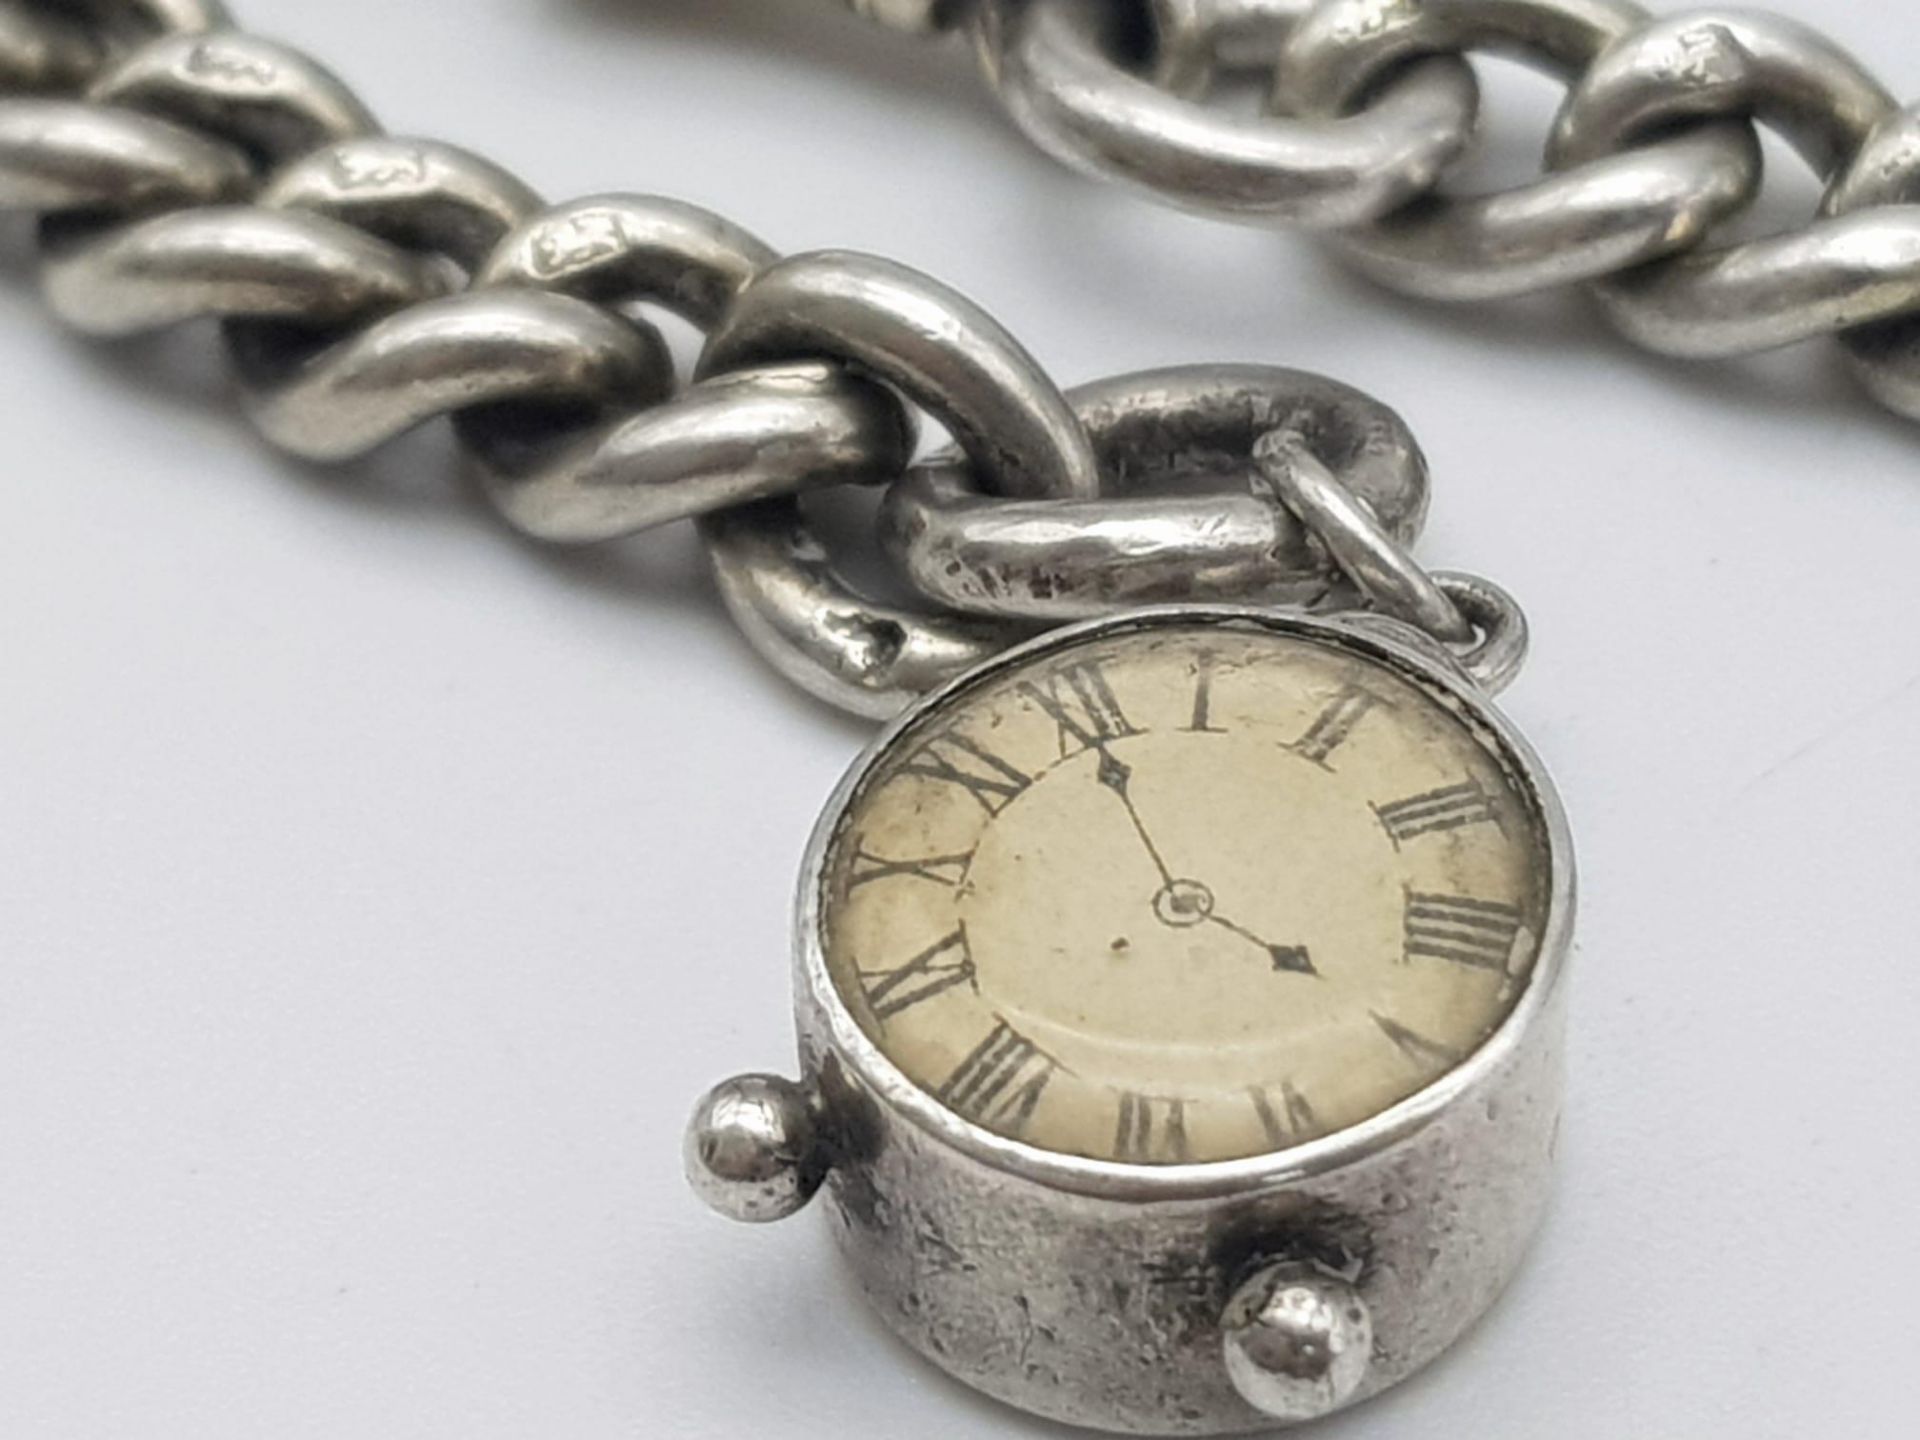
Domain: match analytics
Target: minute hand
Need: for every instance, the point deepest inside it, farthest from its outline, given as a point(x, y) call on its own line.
point(1117, 776)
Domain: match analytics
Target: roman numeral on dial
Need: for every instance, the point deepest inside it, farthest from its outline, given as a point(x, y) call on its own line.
point(1452, 807)
point(1334, 726)
point(1150, 1130)
point(1456, 928)
point(956, 760)
point(1286, 1117)
point(1083, 706)
point(1001, 1081)
point(1427, 1054)
point(1202, 724)
point(866, 867)
point(942, 966)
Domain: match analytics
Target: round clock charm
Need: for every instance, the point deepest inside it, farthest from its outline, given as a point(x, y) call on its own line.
point(1179, 1017)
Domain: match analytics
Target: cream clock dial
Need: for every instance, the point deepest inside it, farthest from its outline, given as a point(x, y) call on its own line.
point(1184, 894)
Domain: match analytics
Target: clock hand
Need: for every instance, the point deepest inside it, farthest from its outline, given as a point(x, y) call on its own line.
point(1190, 901)
point(1292, 959)
point(1117, 776)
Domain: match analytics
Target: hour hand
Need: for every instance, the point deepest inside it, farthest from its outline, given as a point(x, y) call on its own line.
point(1292, 959)
point(1287, 959)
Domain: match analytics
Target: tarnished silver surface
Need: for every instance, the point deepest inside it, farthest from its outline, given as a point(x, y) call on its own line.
point(1479, 626)
point(226, 263)
point(627, 250)
point(1117, 1296)
point(441, 357)
point(368, 285)
point(1372, 102)
point(755, 1151)
point(933, 345)
point(737, 438)
point(1610, 213)
point(1883, 184)
point(1019, 564)
point(1181, 515)
point(1502, 636)
point(1298, 1341)
point(419, 195)
point(1016, 430)
point(866, 656)
point(1838, 272)
point(912, 15)
point(1356, 536)
point(1054, 65)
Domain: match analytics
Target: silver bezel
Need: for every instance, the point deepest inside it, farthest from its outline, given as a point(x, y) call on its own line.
point(1384, 642)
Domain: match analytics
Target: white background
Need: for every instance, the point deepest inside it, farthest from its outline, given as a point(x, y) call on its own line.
point(376, 895)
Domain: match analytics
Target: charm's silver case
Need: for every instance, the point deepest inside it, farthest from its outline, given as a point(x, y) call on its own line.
point(1093, 1293)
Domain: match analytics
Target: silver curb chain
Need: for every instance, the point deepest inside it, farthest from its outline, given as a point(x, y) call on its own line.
point(184, 170)
point(1371, 103)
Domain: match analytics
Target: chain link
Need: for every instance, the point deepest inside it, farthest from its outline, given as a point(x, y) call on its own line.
point(1141, 541)
point(366, 285)
point(1372, 102)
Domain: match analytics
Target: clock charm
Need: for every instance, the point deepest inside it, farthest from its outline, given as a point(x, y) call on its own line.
point(1180, 1011)
point(1179, 994)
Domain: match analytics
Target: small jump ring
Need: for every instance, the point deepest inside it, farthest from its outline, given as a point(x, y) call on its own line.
point(1499, 652)
point(1360, 545)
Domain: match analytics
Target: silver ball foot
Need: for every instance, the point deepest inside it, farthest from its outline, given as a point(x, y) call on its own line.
point(1298, 1342)
point(753, 1148)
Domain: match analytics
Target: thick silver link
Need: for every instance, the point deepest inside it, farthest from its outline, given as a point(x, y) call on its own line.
point(930, 343)
point(1017, 432)
point(749, 435)
point(1583, 222)
point(272, 101)
point(916, 16)
point(63, 155)
point(1837, 272)
point(415, 194)
point(1143, 542)
point(129, 21)
point(1372, 101)
point(1019, 564)
point(1054, 66)
point(1883, 184)
point(368, 285)
point(42, 52)
point(856, 653)
point(627, 250)
point(738, 438)
point(371, 284)
point(226, 262)
point(446, 357)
